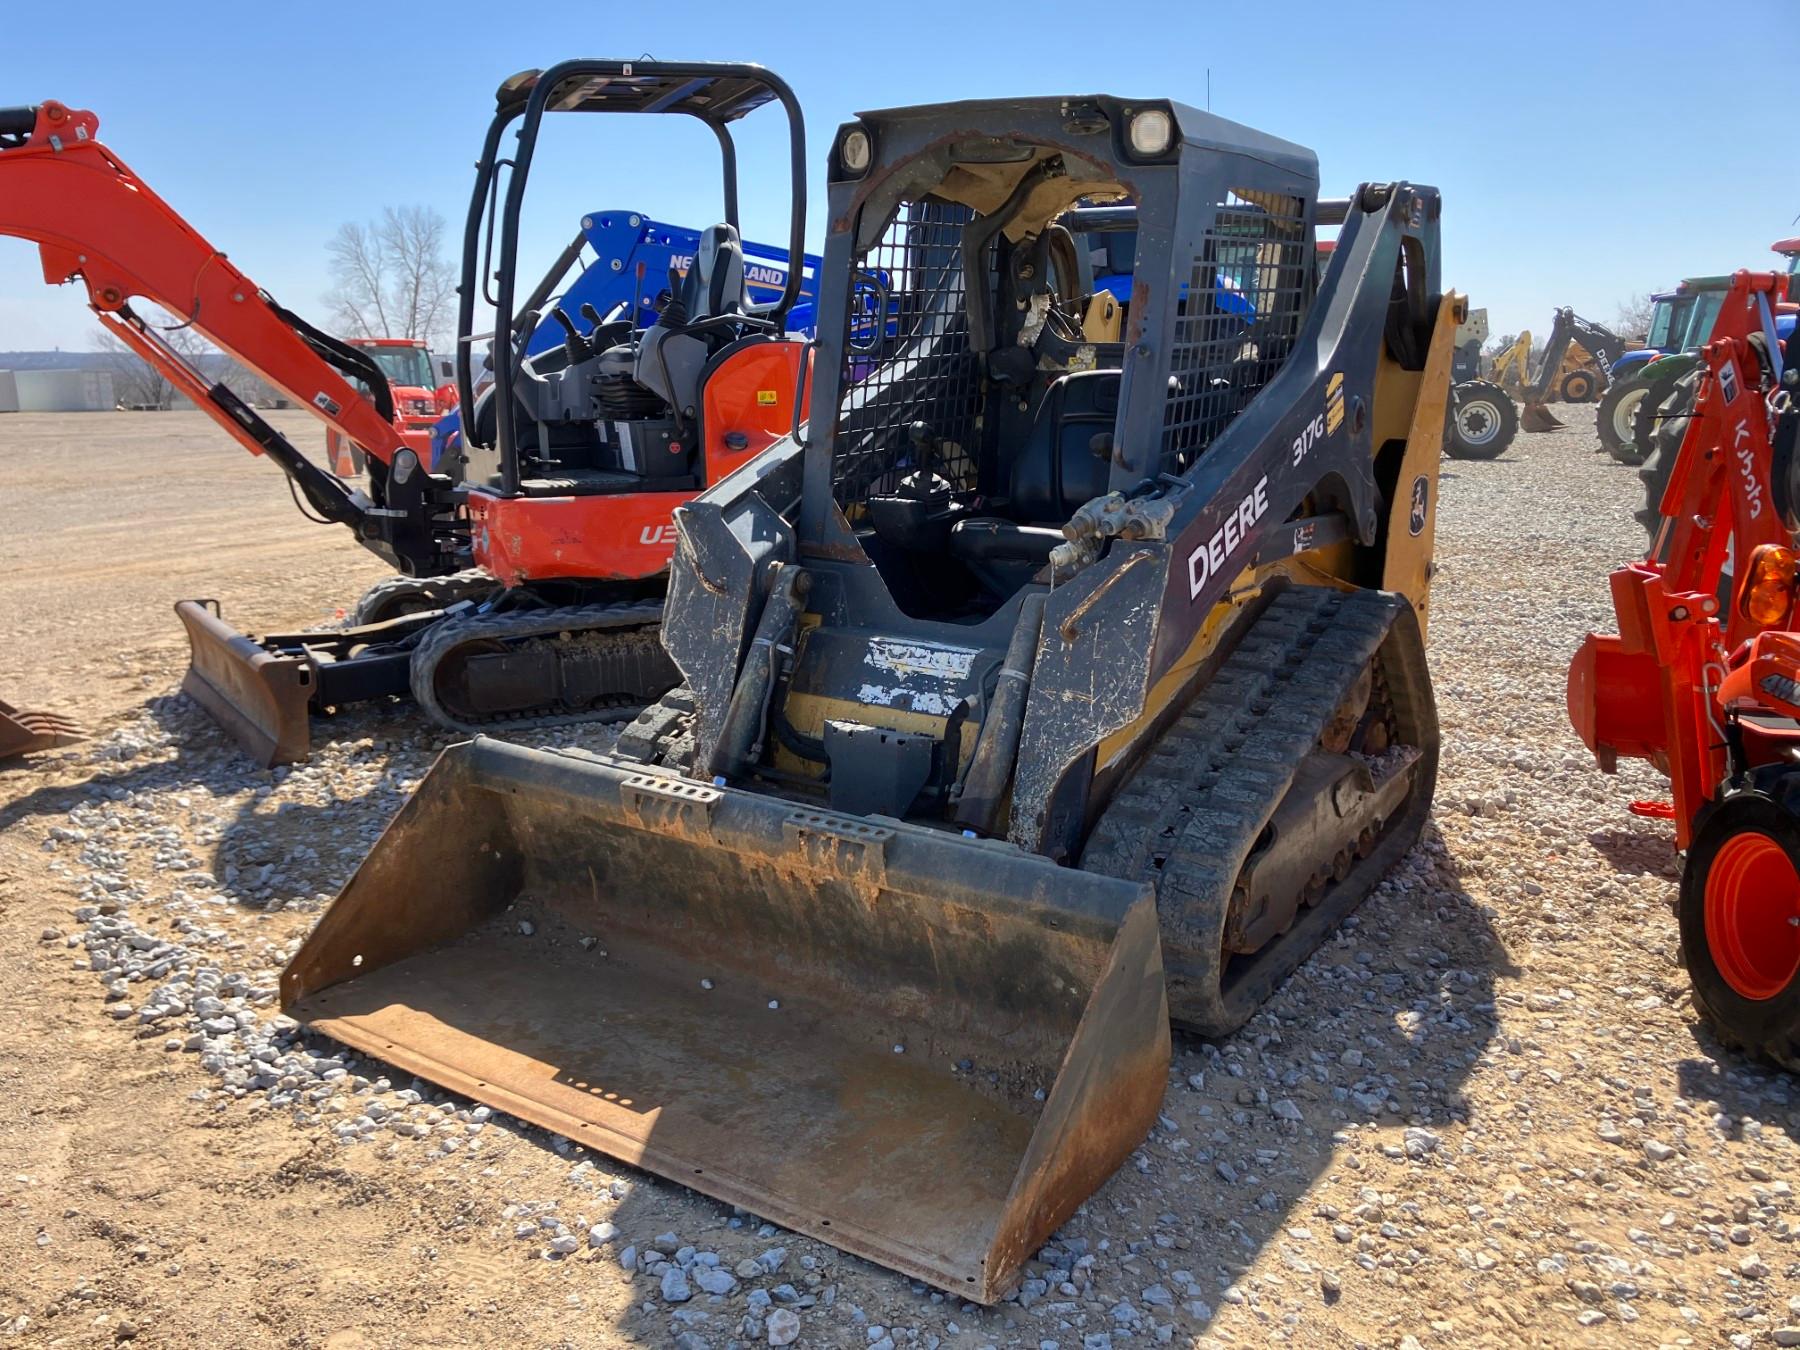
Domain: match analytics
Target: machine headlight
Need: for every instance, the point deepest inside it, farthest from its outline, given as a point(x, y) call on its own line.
point(1152, 132)
point(856, 151)
point(1767, 597)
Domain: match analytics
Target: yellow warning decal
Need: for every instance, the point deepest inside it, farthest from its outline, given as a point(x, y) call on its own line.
point(766, 398)
point(1334, 401)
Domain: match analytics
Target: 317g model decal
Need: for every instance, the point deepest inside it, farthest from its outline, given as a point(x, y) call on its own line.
point(1326, 423)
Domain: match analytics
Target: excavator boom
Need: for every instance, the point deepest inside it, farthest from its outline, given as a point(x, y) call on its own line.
point(96, 222)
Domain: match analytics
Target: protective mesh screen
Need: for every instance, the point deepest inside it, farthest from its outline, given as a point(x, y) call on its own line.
point(1240, 312)
point(907, 359)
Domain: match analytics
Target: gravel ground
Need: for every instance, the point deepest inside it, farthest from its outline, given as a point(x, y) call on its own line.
point(1485, 1114)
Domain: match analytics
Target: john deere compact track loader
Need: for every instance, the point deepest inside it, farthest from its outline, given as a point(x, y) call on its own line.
point(1056, 682)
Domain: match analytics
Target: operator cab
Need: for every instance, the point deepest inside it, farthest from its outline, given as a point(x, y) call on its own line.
point(618, 409)
point(983, 414)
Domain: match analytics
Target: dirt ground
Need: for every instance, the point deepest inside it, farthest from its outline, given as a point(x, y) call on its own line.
point(1485, 1114)
point(115, 517)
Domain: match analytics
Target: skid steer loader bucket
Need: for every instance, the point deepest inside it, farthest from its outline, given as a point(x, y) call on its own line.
point(260, 698)
point(1536, 417)
point(922, 1048)
point(25, 731)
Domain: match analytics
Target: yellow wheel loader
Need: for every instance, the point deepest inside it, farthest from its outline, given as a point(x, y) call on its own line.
point(1053, 684)
point(1575, 368)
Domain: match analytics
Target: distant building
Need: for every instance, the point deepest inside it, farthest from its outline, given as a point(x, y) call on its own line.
point(56, 391)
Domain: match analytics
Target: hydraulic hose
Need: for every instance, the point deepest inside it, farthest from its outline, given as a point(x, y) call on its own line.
point(747, 715)
point(991, 767)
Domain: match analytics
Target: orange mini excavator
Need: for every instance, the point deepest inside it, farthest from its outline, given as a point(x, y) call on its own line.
point(534, 574)
point(1703, 678)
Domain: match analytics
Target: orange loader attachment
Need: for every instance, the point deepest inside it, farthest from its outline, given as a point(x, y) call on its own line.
point(25, 731)
point(922, 1048)
point(1653, 691)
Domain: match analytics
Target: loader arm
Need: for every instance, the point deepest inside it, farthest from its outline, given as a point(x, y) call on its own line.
point(1536, 387)
point(1604, 345)
point(95, 221)
point(1653, 691)
point(1570, 328)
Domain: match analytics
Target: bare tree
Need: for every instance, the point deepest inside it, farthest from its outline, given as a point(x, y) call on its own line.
point(391, 278)
point(1633, 318)
point(137, 383)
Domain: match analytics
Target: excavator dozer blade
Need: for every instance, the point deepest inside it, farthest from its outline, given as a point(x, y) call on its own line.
point(260, 697)
point(1536, 417)
point(25, 731)
point(922, 1048)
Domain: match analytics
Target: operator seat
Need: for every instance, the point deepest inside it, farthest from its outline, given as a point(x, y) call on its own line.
point(1064, 463)
point(714, 285)
point(672, 355)
point(1058, 470)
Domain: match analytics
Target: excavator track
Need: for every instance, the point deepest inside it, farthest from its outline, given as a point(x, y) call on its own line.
point(397, 597)
point(537, 668)
point(1265, 813)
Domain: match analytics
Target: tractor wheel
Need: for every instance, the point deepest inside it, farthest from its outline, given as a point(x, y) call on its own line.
point(1578, 386)
point(1615, 418)
point(1482, 421)
point(1670, 394)
point(1739, 911)
point(1664, 439)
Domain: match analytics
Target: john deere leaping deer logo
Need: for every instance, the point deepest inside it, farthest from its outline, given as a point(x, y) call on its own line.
point(1421, 499)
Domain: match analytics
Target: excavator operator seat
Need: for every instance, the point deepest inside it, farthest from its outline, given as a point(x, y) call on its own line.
point(673, 352)
point(714, 285)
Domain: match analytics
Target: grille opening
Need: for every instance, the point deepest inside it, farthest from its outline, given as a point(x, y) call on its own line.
point(908, 359)
point(1242, 302)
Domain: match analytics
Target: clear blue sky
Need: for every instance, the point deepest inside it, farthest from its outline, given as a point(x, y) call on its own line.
point(1582, 155)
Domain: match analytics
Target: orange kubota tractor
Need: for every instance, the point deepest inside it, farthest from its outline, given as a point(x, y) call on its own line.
point(549, 548)
point(419, 400)
point(1703, 678)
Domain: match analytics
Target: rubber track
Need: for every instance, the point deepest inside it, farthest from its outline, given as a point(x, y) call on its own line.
point(654, 736)
point(1194, 809)
point(442, 638)
point(469, 584)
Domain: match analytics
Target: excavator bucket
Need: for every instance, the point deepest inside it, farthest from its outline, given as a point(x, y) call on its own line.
point(1536, 417)
point(24, 731)
point(260, 697)
point(923, 1048)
